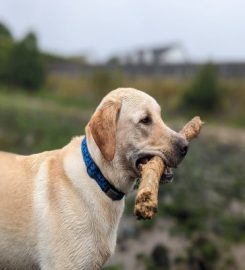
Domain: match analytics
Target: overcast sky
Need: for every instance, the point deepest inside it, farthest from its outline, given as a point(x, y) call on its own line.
point(209, 29)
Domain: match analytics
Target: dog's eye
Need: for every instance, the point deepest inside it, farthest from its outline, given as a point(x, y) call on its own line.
point(146, 120)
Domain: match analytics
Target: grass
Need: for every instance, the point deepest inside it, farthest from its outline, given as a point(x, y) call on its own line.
point(32, 124)
point(169, 92)
point(85, 92)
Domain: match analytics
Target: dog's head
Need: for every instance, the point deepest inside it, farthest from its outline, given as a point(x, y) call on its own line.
point(128, 130)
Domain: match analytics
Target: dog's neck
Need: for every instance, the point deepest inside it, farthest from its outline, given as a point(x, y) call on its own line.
point(112, 170)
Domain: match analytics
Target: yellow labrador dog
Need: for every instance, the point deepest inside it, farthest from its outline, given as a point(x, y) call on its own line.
point(60, 209)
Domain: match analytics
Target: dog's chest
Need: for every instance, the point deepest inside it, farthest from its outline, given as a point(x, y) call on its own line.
point(87, 228)
point(91, 240)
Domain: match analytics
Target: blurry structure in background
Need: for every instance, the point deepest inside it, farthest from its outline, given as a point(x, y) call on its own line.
point(156, 56)
point(171, 60)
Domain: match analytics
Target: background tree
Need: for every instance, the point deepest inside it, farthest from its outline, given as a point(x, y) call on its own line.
point(6, 45)
point(25, 65)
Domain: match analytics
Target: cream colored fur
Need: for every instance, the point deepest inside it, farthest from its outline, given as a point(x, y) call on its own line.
point(53, 216)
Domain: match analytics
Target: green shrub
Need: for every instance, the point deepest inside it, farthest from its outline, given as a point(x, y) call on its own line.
point(233, 228)
point(203, 253)
point(189, 220)
point(204, 93)
point(160, 257)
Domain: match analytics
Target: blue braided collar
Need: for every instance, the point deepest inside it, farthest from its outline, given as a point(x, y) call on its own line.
point(95, 173)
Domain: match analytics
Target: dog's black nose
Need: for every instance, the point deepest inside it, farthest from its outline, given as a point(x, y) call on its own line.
point(182, 145)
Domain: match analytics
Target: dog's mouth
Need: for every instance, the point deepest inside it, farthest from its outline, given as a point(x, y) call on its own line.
point(168, 172)
point(143, 160)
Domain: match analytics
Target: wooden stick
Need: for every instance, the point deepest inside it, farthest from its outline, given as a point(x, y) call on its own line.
point(147, 196)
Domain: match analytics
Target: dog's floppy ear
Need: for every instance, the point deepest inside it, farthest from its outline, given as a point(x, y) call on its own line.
point(103, 126)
